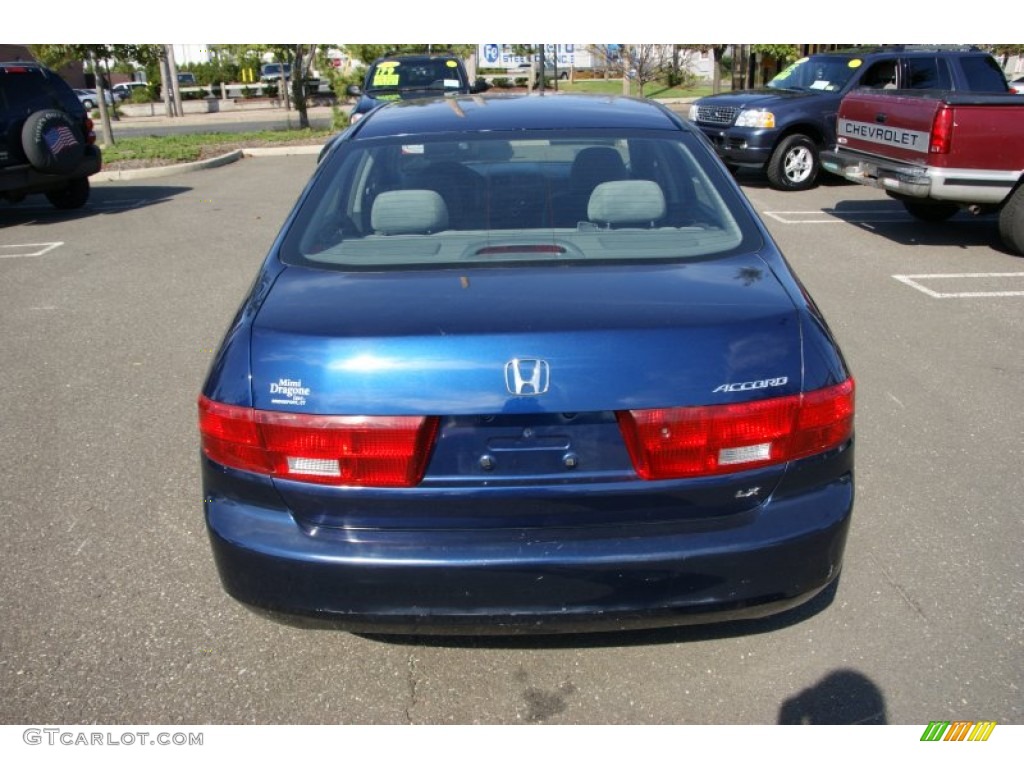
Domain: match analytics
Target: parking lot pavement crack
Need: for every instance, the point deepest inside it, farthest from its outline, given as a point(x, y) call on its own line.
point(412, 682)
point(899, 590)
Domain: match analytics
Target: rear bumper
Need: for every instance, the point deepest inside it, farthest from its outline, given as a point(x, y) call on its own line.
point(956, 185)
point(535, 579)
point(26, 180)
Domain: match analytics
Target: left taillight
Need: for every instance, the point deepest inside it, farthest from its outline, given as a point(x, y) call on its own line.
point(942, 131)
point(378, 451)
point(88, 129)
point(668, 443)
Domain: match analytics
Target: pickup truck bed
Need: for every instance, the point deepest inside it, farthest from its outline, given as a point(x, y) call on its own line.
point(937, 152)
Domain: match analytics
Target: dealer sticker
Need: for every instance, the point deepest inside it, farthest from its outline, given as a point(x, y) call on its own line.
point(289, 392)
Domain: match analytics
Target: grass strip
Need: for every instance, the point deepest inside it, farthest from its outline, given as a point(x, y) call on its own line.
point(184, 148)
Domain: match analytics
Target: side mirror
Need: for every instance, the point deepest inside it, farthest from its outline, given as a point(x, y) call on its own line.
point(354, 90)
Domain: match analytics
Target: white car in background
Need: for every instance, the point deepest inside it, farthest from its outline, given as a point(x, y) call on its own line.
point(90, 99)
point(124, 91)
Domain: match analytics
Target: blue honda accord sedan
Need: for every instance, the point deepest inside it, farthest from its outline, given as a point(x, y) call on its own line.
point(526, 364)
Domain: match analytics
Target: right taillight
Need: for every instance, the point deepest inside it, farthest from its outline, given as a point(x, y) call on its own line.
point(942, 131)
point(90, 134)
point(667, 443)
point(378, 451)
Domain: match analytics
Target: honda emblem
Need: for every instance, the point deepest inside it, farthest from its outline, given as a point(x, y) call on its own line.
point(527, 377)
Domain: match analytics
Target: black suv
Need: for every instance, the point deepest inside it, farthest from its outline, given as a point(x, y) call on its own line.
point(783, 127)
point(411, 77)
point(47, 142)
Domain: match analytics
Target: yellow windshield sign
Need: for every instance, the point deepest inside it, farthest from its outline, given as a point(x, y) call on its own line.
point(451, 64)
point(385, 74)
point(854, 63)
point(789, 70)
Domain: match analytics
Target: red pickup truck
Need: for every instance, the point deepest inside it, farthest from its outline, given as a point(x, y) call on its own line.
point(937, 152)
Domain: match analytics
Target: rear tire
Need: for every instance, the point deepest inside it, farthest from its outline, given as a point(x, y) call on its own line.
point(1011, 222)
point(794, 165)
point(74, 195)
point(931, 212)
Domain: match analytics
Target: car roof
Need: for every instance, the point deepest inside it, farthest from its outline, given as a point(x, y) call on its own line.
point(514, 113)
point(902, 50)
point(414, 57)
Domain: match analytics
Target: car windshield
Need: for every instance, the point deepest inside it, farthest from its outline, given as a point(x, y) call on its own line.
point(497, 198)
point(425, 75)
point(817, 73)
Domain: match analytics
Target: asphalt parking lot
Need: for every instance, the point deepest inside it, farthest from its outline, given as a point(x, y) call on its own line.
point(112, 611)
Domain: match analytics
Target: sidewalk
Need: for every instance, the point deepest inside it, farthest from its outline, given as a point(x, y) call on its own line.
point(272, 117)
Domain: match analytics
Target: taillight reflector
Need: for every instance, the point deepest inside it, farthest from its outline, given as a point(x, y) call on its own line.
point(384, 451)
point(666, 443)
point(942, 131)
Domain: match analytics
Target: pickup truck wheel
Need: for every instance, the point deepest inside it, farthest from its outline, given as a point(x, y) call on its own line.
point(1011, 222)
point(794, 164)
point(933, 212)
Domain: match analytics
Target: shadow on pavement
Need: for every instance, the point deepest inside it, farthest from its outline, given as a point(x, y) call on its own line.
point(843, 697)
point(103, 200)
point(889, 219)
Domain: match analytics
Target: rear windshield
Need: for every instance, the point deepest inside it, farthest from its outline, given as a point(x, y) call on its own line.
point(426, 74)
point(493, 198)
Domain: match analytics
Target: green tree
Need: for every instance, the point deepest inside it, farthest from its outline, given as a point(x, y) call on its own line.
point(93, 55)
point(644, 63)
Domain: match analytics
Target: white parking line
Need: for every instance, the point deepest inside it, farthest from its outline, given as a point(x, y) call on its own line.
point(912, 281)
point(30, 249)
point(846, 216)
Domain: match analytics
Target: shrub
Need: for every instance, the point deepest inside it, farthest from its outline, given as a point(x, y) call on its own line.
point(501, 82)
point(521, 82)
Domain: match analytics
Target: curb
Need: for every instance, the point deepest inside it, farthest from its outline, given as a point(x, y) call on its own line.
point(199, 165)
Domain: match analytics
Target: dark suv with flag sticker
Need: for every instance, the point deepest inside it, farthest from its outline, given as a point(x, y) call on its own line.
point(47, 144)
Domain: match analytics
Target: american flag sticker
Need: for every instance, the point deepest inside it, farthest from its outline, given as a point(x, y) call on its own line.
point(59, 138)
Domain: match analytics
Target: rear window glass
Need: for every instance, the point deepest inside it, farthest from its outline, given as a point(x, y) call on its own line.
point(426, 74)
point(983, 74)
point(493, 198)
point(30, 89)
